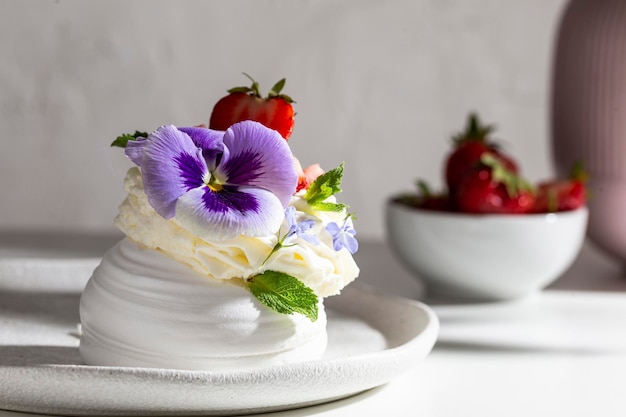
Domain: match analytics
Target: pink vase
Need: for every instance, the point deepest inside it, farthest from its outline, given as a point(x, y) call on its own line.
point(589, 112)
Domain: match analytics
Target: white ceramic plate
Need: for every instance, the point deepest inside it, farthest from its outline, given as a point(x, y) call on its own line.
point(372, 339)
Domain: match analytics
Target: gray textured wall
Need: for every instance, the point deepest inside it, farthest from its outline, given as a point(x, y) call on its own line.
point(380, 85)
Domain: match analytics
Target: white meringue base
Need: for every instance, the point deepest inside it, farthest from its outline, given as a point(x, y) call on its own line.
point(143, 309)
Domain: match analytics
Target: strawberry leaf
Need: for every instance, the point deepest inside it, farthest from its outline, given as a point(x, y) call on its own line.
point(513, 182)
point(240, 90)
point(552, 200)
point(277, 88)
point(474, 130)
point(284, 294)
point(424, 189)
point(324, 186)
point(578, 172)
point(254, 88)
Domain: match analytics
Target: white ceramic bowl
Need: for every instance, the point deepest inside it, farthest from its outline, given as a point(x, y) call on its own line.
point(488, 257)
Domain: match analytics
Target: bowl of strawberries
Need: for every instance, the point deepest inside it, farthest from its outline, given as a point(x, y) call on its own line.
point(491, 234)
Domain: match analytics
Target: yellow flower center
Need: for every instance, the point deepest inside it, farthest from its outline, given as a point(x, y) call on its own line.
point(213, 183)
point(215, 187)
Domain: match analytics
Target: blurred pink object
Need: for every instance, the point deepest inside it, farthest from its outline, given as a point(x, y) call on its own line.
point(589, 112)
point(307, 175)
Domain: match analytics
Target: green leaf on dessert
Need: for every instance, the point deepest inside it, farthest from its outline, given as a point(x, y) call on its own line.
point(122, 140)
point(326, 185)
point(336, 207)
point(284, 294)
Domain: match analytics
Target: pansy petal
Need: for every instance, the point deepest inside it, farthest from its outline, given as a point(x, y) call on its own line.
point(210, 141)
point(229, 213)
point(171, 166)
point(134, 150)
point(258, 157)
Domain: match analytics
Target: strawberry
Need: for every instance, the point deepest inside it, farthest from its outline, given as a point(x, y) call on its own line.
point(428, 200)
point(493, 188)
point(469, 146)
point(562, 194)
point(425, 199)
point(246, 103)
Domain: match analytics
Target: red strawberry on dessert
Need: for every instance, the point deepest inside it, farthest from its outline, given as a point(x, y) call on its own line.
point(493, 188)
point(563, 194)
point(469, 146)
point(246, 103)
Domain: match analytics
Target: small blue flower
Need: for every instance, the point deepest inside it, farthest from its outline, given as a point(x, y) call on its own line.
point(343, 236)
point(299, 229)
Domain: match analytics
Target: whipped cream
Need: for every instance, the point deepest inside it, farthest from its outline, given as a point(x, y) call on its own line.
point(143, 308)
point(319, 267)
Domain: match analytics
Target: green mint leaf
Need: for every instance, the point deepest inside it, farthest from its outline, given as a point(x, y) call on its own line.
point(326, 185)
point(336, 207)
point(122, 140)
point(284, 294)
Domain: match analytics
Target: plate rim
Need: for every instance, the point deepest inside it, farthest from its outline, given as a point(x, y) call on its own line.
point(384, 365)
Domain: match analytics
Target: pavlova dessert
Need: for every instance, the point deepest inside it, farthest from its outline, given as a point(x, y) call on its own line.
point(230, 247)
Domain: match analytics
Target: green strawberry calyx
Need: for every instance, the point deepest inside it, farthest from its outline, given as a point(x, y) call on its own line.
point(513, 183)
point(255, 90)
point(578, 172)
point(474, 131)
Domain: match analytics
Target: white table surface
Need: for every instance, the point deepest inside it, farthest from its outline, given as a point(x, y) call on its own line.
point(561, 352)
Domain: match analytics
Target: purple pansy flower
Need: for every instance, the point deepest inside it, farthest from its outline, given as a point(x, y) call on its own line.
point(217, 184)
point(299, 229)
point(343, 236)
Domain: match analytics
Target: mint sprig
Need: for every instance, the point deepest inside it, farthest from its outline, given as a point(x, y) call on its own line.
point(284, 294)
point(122, 140)
point(324, 186)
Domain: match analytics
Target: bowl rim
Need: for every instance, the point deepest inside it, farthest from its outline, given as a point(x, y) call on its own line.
point(391, 202)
